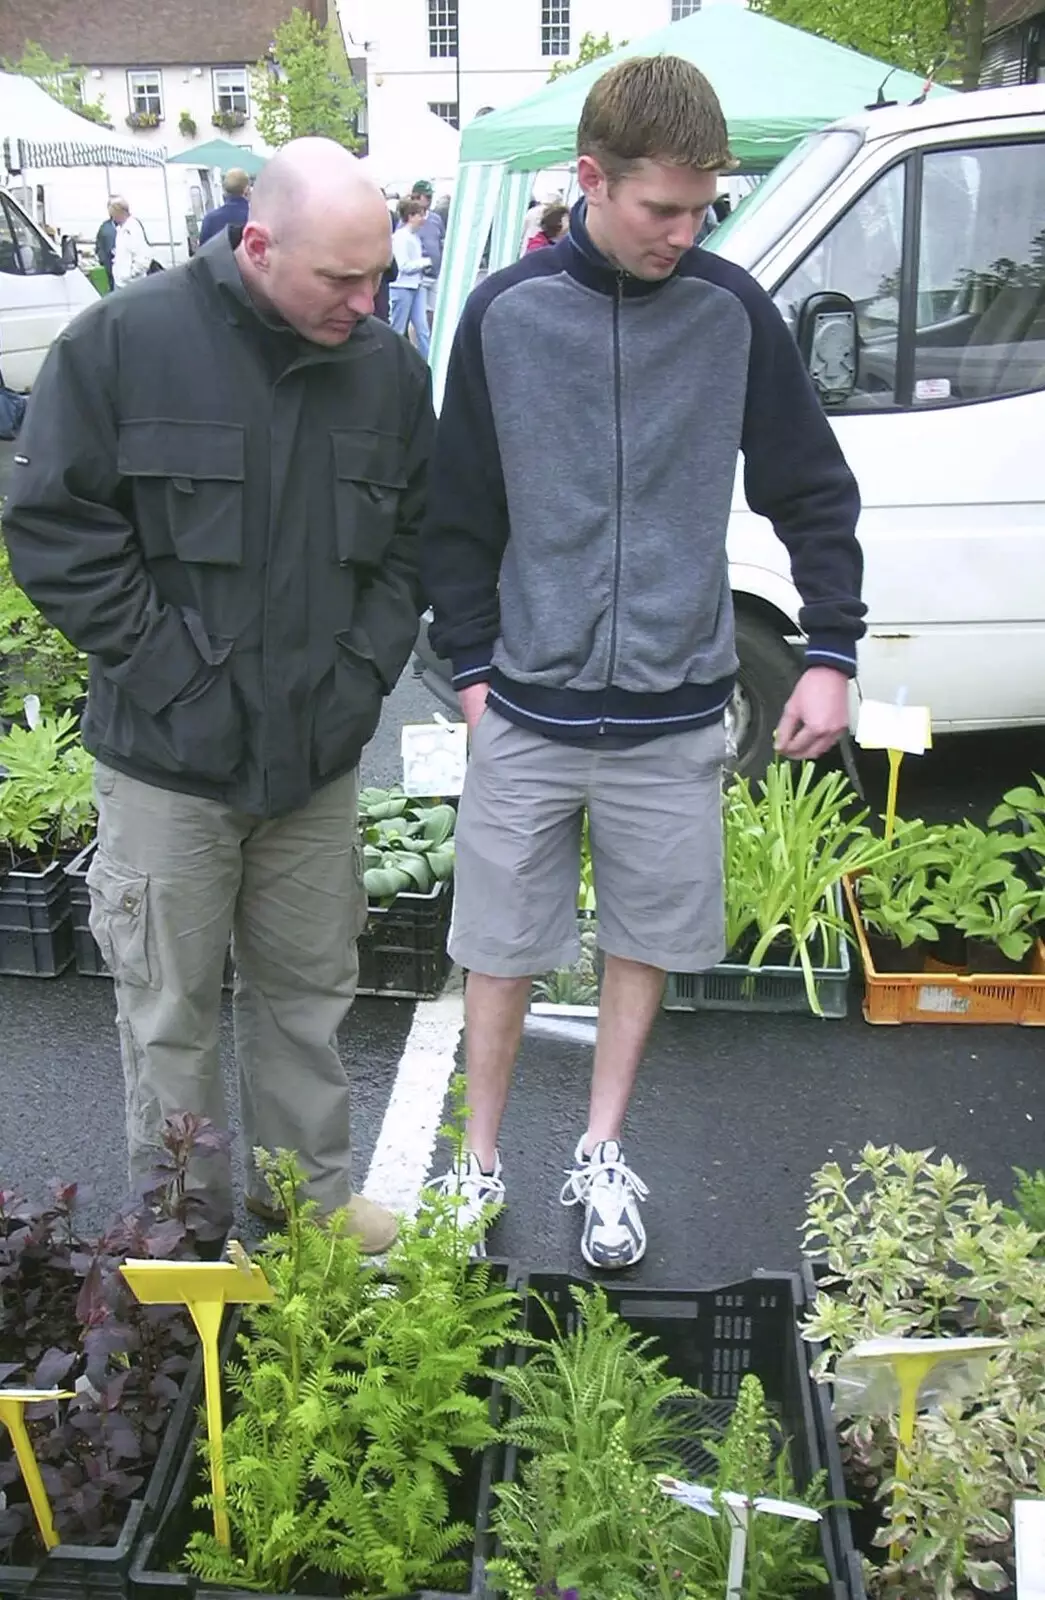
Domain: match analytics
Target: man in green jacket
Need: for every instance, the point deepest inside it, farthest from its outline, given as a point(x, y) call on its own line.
point(217, 496)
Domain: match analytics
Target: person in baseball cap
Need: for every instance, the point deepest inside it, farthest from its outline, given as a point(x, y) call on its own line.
point(432, 234)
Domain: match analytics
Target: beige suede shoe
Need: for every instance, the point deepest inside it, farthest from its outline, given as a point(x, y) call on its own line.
point(375, 1228)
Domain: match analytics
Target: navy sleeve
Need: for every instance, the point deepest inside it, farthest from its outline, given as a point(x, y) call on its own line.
point(466, 526)
point(211, 224)
point(795, 474)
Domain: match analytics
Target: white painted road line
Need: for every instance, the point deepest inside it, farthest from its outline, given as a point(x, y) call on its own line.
point(406, 1143)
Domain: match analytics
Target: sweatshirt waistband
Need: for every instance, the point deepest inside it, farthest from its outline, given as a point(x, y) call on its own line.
point(571, 714)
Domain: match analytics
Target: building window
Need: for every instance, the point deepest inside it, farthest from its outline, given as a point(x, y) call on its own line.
point(683, 8)
point(230, 91)
point(447, 109)
point(144, 90)
point(442, 27)
point(555, 27)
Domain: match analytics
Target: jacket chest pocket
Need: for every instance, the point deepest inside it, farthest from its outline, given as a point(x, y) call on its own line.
point(368, 481)
point(188, 488)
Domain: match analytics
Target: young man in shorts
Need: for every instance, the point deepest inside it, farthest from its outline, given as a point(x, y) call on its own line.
point(590, 626)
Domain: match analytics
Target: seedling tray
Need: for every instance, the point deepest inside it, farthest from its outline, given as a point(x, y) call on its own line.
point(402, 950)
point(895, 997)
point(732, 987)
point(712, 1339)
point(36, 936)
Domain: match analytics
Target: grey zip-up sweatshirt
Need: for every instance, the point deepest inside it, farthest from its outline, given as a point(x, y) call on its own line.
point(574, 548)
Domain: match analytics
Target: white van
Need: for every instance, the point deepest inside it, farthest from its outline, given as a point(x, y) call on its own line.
point(905, 247)
point(39, 294)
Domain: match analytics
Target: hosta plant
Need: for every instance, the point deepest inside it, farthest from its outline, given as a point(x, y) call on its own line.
point(408, 844)
point(1027, 807)
point(912, 1247)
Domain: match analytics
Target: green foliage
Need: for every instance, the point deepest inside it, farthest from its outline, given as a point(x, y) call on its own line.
point(306, 87)
point(577, 985)
point(788, 844)
point(1026, 806)
point(34, 657)
point(1030, 1202)
point(47, 796)
point(407, 844)
point(913, 1248)
point(596, 1417)
point(59, 79)
point(591, 48)
point(356, 1400)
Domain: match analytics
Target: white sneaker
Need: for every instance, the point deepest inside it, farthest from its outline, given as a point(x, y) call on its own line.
point(481, 1191)
point(613, 1235)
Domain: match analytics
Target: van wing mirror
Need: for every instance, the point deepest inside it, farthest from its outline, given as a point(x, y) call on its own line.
point(70, 254)
point(828, 339)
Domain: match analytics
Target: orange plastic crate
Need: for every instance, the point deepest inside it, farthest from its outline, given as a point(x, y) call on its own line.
point(894, 997)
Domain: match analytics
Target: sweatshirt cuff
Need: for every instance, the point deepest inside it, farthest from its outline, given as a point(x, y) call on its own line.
point(473, 666)
point(836, 650)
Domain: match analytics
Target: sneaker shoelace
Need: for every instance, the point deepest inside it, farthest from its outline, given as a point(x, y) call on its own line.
point(578, 1186)
point(471, 1182)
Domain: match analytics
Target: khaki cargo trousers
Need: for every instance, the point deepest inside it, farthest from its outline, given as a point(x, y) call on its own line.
point(173, 876)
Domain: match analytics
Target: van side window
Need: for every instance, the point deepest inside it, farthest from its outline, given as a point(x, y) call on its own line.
point(21, 248)
point(861, 257)
point(980, 308)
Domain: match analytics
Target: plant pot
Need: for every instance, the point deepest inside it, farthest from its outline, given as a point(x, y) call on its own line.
point(36, 933)
point(984, 957)
point(948, 953)
point(889, 955)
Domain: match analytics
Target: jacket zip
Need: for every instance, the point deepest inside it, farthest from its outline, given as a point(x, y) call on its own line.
point(619, 437)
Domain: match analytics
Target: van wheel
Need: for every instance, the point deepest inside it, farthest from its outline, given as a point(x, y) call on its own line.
point(769, 670)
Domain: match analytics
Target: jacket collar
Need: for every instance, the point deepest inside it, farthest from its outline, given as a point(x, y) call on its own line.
point(584, 261)
point(217, 261)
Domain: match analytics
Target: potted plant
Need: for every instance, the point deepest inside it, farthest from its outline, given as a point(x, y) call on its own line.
point(360, 1408)
point(35, 659)
point(144, 119)
point(906, 1246)
point(407, 851)
point(600, 1407)
point(187, 125)
point(789, 844)
point(46, 809)
point(108, 1455)
point(229, 121)
point(1025, 807)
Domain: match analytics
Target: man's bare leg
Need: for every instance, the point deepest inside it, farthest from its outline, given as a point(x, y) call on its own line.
point(495, 1010)
point(628, 1005)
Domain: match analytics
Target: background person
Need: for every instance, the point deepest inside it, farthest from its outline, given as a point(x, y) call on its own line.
point(105, 245)
point(132, 254)
point(201, 503)
point(555, 225)
point(432, 234)
point(407, 301)
point(235, 209)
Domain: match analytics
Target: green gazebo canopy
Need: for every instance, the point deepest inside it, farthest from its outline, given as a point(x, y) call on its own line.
point(219, 153)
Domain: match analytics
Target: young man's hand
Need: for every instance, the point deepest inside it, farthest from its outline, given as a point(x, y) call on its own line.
point(816, 715)
point(473, 703)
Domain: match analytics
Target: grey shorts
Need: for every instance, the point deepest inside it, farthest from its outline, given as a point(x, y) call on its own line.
point(655, 818)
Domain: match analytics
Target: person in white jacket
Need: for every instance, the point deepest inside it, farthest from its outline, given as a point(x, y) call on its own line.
point(132, 256)
point(408, 301)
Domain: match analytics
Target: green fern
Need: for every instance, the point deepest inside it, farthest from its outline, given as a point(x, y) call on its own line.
point(354, 1402)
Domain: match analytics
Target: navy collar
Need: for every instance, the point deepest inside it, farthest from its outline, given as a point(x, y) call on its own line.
point(585, 261)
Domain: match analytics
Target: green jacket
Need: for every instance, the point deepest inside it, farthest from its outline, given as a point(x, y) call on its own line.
point(225, 517)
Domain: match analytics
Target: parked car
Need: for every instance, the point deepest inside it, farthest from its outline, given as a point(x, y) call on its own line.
point(40, 292)
point(905, 247)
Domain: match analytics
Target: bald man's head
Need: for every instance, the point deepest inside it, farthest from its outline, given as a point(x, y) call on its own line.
point(317, 241)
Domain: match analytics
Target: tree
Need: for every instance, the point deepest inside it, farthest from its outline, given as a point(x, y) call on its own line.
point(938, 38)
point(589, 49)
point(305, 86)
point(62, 81)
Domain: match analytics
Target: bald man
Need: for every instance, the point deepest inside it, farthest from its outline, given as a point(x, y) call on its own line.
point(218, 494)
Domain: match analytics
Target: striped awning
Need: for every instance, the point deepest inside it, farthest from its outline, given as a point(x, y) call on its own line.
point(34, 155)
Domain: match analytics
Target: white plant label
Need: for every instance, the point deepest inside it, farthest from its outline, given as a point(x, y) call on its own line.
point(435, 756)
point(942, 1001)
point(882, 726)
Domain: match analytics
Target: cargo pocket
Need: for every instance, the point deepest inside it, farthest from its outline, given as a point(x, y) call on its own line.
point(347, 708)
point(368, 481)
point(188, 488)
point(119, 918)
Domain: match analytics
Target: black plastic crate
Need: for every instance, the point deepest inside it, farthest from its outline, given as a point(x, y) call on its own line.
point(36, 935)
point(402, 950)
point(73, 1571)
point(712, 1339)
